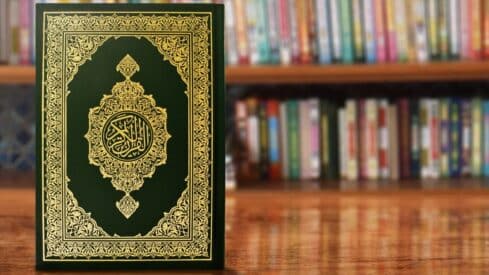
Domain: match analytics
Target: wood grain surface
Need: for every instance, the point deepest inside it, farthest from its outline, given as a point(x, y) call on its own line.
point(314, 232)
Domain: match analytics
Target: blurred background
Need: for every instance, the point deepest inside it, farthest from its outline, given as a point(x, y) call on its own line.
point(357, 134)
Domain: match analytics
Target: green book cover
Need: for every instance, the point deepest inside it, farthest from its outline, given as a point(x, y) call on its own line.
point(263, 125)
point(130, 136)
point(293, 140)
point(347, 55)
point(329, 140)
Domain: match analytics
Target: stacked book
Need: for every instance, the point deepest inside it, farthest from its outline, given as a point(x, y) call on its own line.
point(362, 139)
point(348, 31)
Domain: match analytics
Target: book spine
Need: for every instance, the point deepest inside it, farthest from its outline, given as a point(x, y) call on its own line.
point(305, 137)
point(333, 140)
point(454, 28)
point(242, 154)
point(273, 140)
point(380, 31)
point(294, 32)
point(466, 137)
point(241, 31)
point(352, 140)
point(232, 56)
point(404, 125)
point(476, 29)
point(4, 49)
point(325, 149)
point(485, 27)
point(443, 25)
point(410, 31)
point(24, 36)
point(264, 142)
point(284, 133)
point(284, 23)
point(383, 140)
point(435, 138)
point(370, 31)
point(343, 148)
point(252, 30)
point(434, 39)
point(294, 139)
point(273, 32)
point(415, 138)
point(372, 139)
point(444, 138)
point(477, 134)
point(324, 35)
point(262, 32)
point(425, 138)
point(358, 30)
point(392, 46)
point(393, 143)
point(253, 131)
point(314, 156)
point(363, 137)
point(347, 51)
point(486, 138)
point(335, 30)
point(14, 30)
point(401, 30)
point(465, 29)
point(455, 140)
point(312, 30)
point(303, 32)
point(419, 28)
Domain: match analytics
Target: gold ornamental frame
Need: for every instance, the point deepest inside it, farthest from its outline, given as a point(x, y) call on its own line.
point(69, 233)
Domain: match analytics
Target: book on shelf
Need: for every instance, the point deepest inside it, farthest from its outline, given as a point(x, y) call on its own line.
point(311, 31)
point(364, 138)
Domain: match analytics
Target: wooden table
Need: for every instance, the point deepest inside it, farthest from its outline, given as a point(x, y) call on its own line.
point(313, 232)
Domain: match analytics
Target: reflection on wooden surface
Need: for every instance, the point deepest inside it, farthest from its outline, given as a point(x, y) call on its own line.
point(322, 232)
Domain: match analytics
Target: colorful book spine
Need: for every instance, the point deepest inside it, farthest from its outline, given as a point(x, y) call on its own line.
point(324, 138)
point(347, 51)
point(232, 57)
point(303, 32)
point(294, 33)
point(380, 31)
point(410, 30)
point(363, 138)
point(24, 36)
point(305, 137)
point(444, 138)
point(253, 131)
point(434, 39)
point(242, 157)
point(284, 26)
point(486, 138)
point(455, 140)
point(370, 31)
point(465, 29)
point(241, 31)
point(314, 156)
point(274, 168)
point(425, 138)
point(383, 137)
point(466, 133)
point(4, 47)
point(273, 32)
point(264, 141)
point(444, 28)
point(415, 138)
point(312, 30)
point(252, 30)
point(262, 32)
point(401, 30)
point(14, 30)
point(419, 29)
point(343, 142)
point(454, 28)
point(352, 140)
point(485, 27)
point(392, 46)
point(404, 142)
point(393, 143)
point(284, 133)
point(324, 34)
point(293, 139)
point(371, 110)
point(336, 30)
point(358, 34)
point(476, 29)
point(434, 120)
point(477, 137)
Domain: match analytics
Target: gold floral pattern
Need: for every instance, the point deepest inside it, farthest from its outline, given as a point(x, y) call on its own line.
point(68, 230)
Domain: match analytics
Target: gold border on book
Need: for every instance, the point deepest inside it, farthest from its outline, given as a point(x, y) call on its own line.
point(95, 244)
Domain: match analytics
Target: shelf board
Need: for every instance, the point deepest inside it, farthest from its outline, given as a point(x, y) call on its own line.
point(316, 74)
point(359, 73)
point(17, 75)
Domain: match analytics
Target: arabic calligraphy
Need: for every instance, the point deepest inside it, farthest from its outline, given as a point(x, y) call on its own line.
point(127, 136)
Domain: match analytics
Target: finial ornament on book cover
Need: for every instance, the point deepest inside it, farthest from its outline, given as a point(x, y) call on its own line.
point(147, 191)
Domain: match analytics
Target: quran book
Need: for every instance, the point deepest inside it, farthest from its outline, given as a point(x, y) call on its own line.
point(130, 146)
